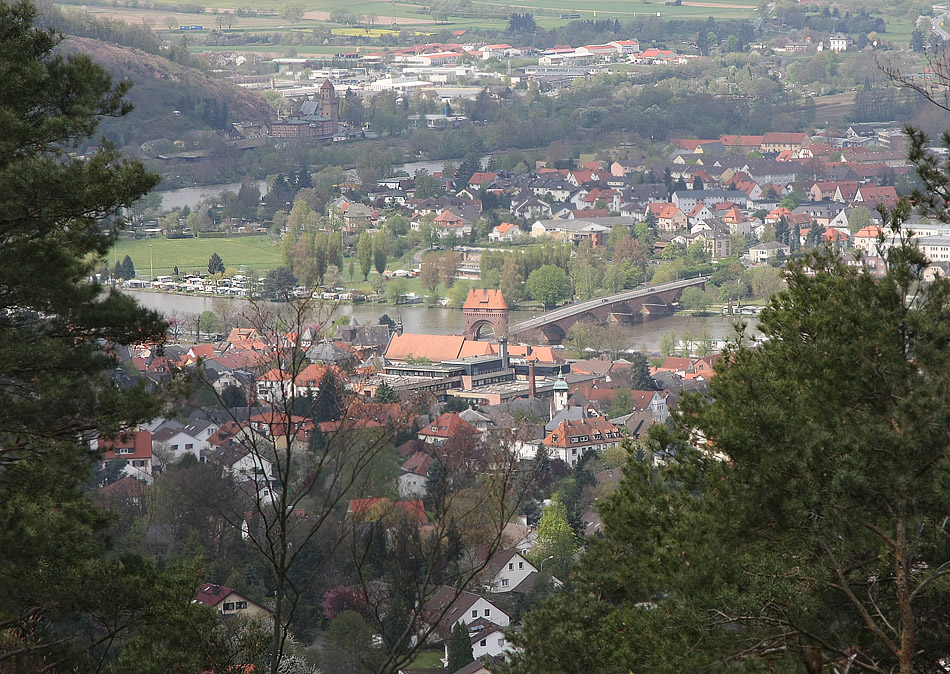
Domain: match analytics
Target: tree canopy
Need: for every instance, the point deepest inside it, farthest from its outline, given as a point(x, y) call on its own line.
point(548, 284)
point(66, 602)
point(795, 521)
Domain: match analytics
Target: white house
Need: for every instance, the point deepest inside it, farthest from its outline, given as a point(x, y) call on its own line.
point(241, 464)
point(764, 252)
point(507, 570)
point(488, 640)
point(507, 232)
point(177, 442)
point(413, 475)
point(450, 606)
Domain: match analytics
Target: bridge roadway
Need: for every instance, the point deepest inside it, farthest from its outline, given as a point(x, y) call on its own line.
point(587, 305)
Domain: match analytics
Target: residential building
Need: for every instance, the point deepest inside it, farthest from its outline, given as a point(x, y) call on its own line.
point(228, 602)
point(135, 448)
point(571, 439)
point(506, 232)
point(763, 252)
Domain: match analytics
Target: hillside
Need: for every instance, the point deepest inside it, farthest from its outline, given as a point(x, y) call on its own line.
point(163, 88)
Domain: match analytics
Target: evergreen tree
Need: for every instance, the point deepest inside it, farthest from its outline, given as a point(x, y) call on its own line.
point(471, 165)
point(640, 372)
point(460, 648)
point(125, 269)
point(386, 394)
point(215, 264)
point(64, 598)
point(822, 506)
point(328, 405)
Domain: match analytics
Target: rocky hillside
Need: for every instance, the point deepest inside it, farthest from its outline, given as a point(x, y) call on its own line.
point(171, 101)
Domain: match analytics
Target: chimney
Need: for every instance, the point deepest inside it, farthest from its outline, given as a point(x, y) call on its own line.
point(532, 390)
point(503, 350)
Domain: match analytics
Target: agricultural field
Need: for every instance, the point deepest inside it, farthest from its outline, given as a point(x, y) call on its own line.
point(254, 252)
point(410, 16)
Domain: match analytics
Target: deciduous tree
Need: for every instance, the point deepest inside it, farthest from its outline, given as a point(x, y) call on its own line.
point(364, 253)
point(549, 285)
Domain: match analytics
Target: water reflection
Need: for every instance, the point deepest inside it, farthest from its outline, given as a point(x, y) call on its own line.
point(645, 337)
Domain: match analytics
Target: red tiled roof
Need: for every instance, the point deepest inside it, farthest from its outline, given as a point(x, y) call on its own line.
point(212, 595)
point(596, 429)
point(418, 463)
point(140, 442)
point(485, 298)
point(434, 347)
point(448, 425)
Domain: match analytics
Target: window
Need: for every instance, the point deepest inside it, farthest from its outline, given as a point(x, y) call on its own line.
point(504, 582)
point(501, 641)
point(487, 612)
point(483, 642)
point(189, 446)
point(229, 606)
point(475, 613)
point(520, 565)
point(511, 566)
point(240, 604)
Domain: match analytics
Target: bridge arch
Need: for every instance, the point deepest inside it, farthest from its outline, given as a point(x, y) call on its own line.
point(482, 329)
point(553, 333)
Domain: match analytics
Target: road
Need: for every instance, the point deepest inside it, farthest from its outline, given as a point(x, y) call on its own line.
point(937, 24)
point(587, 305)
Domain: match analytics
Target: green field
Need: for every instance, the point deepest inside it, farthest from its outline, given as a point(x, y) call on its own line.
point(426, 659)
point(412, 16)
point(254, 252)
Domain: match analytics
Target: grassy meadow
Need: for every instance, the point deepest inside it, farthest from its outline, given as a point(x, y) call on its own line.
point(255, 252)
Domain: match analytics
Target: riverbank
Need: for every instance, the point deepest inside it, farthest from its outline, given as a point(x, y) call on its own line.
point(648, 337)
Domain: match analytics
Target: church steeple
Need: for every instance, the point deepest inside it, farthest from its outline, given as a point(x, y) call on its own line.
point(560, 393)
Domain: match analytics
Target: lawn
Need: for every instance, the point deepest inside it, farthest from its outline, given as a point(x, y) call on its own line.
point(427, 659)
point(254, 252)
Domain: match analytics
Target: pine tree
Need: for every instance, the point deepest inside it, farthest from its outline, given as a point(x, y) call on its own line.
point(460, 648)
point(821, 505)
point(386, 394)
point(59, 217)
point(125, 269)
point(215, 264)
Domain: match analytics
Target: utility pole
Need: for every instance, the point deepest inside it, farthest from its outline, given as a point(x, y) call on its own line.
point(151, 266)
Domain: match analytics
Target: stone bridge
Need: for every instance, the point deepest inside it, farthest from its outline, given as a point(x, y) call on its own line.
point(630, 306)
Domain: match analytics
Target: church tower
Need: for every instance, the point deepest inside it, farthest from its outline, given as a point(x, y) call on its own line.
point(328, 103)
point(560, 393)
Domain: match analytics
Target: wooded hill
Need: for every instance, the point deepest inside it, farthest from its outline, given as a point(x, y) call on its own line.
point(162, 88)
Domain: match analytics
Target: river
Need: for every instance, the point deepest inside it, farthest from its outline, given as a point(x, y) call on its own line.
point(192, 196)
point(644, 337)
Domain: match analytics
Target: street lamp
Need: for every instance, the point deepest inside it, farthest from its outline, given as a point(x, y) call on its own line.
point(541, 565)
